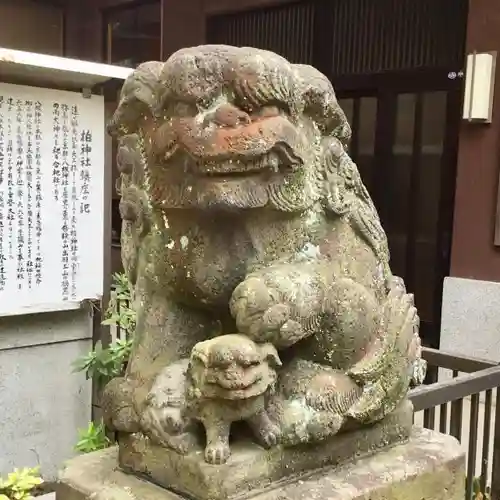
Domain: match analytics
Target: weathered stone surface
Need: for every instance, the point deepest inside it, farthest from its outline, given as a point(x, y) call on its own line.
point(261, 278)
point(251, 466)
point(430, 466)
point(244, 215)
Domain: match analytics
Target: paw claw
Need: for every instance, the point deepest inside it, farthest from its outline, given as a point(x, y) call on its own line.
point(217, 454)
point(271, 437)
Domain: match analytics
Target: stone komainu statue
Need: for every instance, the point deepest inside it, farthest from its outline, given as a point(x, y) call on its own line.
point(243, 212)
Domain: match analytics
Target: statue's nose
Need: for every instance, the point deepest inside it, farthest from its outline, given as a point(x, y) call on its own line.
point(228, 115)
point(233, 374)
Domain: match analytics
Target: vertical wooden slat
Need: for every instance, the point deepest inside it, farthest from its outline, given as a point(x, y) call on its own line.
point(430, 413)
point(366, 31)
point(341, 39)
point(430, 418)
point(495, 477)
point(376, 51)
point(323, 46)
point(472, 453)
point(456, 416)
point(416, 166)
point(485, 456)
point(443, 418)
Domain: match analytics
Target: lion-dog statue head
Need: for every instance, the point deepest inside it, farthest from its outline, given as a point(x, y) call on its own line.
point(231, 127)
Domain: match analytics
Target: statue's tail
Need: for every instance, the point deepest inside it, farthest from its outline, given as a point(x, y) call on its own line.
point(393, 361)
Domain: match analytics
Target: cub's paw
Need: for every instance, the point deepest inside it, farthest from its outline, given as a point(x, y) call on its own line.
point(183, 443)
point(217, 454)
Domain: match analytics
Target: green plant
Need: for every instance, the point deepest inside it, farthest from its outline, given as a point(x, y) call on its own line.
point(19, 484)
point(477, 494)
point(119, 311)
point(103, 364)
point(93, 438)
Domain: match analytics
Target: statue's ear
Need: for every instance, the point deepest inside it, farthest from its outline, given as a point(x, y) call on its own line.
point(199, 356)
point(140, 98)
point(270, 354)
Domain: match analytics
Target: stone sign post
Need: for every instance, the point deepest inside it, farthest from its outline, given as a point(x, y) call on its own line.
point(272, 339)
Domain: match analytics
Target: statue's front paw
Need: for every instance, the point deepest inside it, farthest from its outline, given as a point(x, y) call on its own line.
point(270, 436)
point(260, 314)
point(217, 454)
point(249, 302)
point(265, 430)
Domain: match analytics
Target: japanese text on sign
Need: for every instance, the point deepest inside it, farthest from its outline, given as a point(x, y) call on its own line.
point(51, 197)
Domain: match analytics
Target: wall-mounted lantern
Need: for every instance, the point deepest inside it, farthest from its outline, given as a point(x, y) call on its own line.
point(479, 87)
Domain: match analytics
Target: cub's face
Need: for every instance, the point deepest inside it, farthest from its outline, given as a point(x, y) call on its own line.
point(233, 367)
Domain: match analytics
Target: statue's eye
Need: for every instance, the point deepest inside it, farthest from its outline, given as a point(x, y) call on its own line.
point(185, 109)
point(220, 362)
point(250, 362)
point(181, 109)
point(268, 112)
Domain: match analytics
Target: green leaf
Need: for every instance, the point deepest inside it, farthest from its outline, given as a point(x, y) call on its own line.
point(102, 364)
point(92, 439)
point(20, 483)
point(109, 322)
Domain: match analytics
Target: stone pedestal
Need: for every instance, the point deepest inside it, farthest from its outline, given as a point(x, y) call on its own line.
point(250, 466)
point(429, 465)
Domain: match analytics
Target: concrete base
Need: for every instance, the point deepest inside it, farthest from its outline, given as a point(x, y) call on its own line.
point(430, 466)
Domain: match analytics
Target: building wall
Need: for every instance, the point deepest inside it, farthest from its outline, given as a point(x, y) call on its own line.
point(43, 403)
point(473, 252)
point(22, 29)
point(471, 295)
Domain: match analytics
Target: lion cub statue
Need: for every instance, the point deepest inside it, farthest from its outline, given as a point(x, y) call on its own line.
point(229, 379)
point(226, 379)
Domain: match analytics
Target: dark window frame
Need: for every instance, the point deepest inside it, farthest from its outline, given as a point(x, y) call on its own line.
point(108, 12)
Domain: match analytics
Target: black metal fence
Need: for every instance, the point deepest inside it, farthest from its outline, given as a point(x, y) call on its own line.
point(461, 399)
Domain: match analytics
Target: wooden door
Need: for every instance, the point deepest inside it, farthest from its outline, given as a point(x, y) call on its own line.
point(405, 142)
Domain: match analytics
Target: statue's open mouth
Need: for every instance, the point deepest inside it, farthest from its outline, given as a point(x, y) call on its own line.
point(241, 391)
point(239, 385)
point(280, 159)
